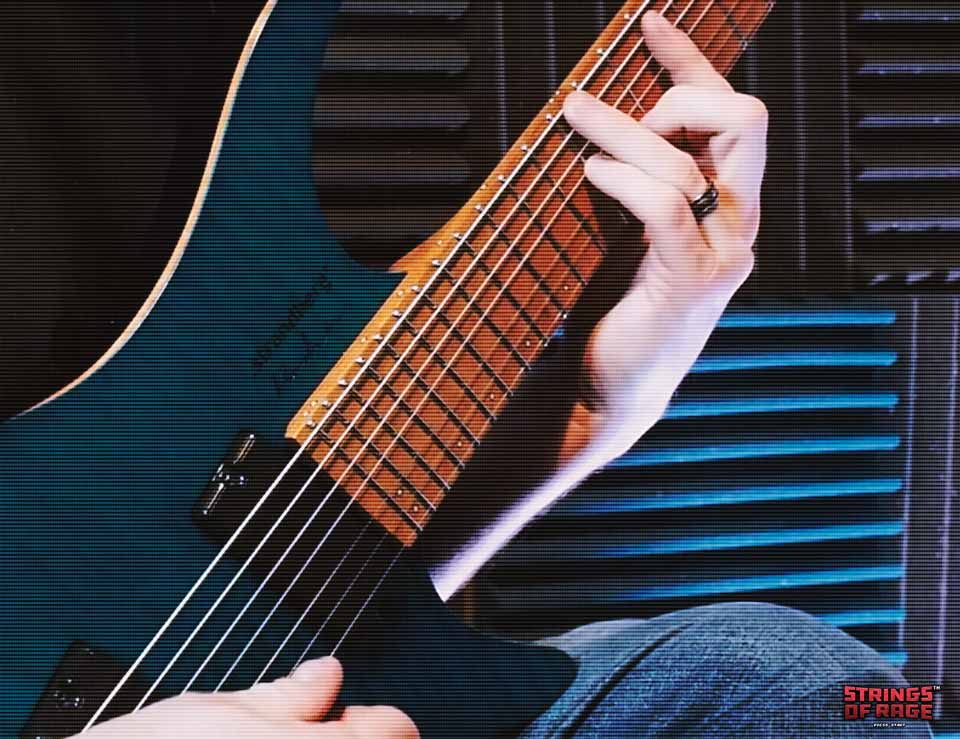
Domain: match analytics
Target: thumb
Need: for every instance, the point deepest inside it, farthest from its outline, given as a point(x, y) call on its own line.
point(307, 694)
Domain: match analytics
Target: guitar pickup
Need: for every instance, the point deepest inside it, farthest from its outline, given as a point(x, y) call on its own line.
point(82, 681)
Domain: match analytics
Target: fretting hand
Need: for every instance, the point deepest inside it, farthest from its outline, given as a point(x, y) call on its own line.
point(641, 350)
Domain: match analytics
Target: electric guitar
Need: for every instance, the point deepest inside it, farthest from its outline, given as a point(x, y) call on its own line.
point(240, 482)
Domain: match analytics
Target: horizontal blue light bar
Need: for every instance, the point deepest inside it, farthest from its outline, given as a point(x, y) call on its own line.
point(779, 404)
point(911, 225)
point(598, 593)
point(591, 502)
point(908, 174)
point(866, 617)
point(579, 550)
point(912, 69)
point(782, 581)
point(908, 120)
point(923, 15)
point(792, 319)
point(946, 735)
point(775, 360)
point(757, 449)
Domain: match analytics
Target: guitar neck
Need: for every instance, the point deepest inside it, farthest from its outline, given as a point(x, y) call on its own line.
point(402, 413)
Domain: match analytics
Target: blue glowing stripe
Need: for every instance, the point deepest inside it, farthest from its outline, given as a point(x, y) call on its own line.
point(757, 449)
point(783, 581)
point(599, 593)
point(897, 659)
point(587, 503)
point(908, 174)
point(912, 69)
point(908, 120)
point(715, 542)
point(780, 404)
point(793, 319)
point(776, 360)
point(947, 735)
point(866, 617)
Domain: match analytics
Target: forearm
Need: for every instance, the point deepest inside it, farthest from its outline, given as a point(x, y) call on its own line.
point(545, 444)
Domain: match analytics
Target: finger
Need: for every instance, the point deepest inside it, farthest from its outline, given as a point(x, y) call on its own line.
point(379, 722)
point(665, 212)
point(737, 122)
point(621, 136)
point(307, 695)
point(677, 53)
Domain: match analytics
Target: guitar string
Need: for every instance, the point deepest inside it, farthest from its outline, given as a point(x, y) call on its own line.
point(113, 694)
point(309, 608)
point(384, 537)
point(551, 269)
point(281, 518)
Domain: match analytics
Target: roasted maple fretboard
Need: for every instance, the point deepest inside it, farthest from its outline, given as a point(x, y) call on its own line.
point(400, 415)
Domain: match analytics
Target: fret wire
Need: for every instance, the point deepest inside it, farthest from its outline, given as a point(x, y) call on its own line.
point(463, 242)
point(744, 41)
point(373, 482)
point(498, 283)
point(403, 477)
point(481, 265)
point(472, 350)
point(574, 272)
point(572, 207)
point(523, 360)
point(436, 357)
point(533, 158)
point(639, 74)
point(451, 456)
point(344, 636)
point(484, 318)
point(439, 400)
point(107, 701)
point(457, 462)
point(468, 391)
point(381, 456)
point(546, 234)
point(424, 463)
point(410, 450)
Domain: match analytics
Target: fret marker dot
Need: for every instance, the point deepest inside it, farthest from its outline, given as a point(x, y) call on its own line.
point(400, 493)
point(416, 508)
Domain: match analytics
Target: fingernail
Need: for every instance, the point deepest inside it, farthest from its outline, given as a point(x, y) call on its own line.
point(314, 668)
point(659, 20)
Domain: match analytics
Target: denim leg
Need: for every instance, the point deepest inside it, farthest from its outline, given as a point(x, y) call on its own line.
point(741, 670)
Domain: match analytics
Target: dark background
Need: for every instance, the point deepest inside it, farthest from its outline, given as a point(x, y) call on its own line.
point(808, 459)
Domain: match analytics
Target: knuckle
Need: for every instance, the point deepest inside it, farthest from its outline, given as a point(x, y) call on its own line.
point(692, 178)
point(675, 207)
point(755, 111)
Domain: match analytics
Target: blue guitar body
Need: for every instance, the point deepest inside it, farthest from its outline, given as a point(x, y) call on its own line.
point(98, 484)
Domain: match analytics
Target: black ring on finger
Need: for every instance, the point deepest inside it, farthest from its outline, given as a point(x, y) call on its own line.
point(706, 203)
